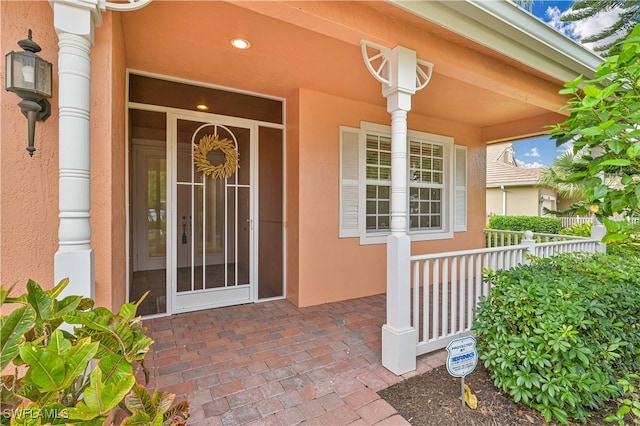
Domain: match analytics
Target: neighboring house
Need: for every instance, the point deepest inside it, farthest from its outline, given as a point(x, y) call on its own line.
point(514, 190)
point(112, 199)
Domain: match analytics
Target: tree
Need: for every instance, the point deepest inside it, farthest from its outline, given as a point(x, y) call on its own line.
point(525, 4)
point(557, 176)
point(605, 122)
point(628, 18)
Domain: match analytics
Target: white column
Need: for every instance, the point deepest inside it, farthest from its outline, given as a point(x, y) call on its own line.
point(399, 338)
point(74, 21)
point(401, 74)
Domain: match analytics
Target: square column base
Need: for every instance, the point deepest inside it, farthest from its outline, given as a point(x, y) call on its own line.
point(399, 349)
point(79, 267)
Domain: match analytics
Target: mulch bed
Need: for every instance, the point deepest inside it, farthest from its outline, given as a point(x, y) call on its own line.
point(433, 398)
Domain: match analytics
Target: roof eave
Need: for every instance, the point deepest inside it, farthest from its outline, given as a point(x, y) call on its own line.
point(506, 28)
point(510, 184)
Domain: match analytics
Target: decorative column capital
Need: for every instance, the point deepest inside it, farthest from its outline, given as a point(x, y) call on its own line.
point(399, 70)
point(78, 17)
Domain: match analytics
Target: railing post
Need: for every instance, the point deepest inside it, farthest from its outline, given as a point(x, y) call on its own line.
point(530, 243)
point(598, 231)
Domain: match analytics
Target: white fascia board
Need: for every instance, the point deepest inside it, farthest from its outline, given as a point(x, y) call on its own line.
point(504, 27)
point(511, 184)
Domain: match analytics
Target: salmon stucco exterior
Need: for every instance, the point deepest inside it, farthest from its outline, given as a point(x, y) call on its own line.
point(361, 130)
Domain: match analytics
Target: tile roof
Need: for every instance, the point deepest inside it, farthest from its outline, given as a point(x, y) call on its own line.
point(502, 170)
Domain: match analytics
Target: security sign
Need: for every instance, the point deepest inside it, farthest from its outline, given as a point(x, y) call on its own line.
point(462, 356)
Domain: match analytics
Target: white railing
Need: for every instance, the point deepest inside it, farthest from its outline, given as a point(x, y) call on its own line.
point(446, 287)
point(572, 220)
point(501, 238)
point(582, 245)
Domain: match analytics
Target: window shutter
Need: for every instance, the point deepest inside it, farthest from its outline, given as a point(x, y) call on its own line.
point(460, 208)
point(349, 189)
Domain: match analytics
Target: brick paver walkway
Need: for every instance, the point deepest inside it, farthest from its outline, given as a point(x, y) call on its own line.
point(274, 364)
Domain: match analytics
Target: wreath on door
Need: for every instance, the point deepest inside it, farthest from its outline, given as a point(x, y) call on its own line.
point(210, 143)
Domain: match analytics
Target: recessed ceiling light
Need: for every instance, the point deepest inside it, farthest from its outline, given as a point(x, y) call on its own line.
point(202, 107)
point(240, 43)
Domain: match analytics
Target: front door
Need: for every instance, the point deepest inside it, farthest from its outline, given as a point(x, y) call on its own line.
point(212, 226)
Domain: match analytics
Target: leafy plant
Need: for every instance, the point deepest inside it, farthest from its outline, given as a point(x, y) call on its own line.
point(604, 122)
point(560, 333)
point(153, 410)
point(627, 244)
point(546, 225)
point(631, 404)
point(578, 229)
point(64, 376)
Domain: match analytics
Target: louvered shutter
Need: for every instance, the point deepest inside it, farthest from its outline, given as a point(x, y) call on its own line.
point(349, 189)
point(460, 208)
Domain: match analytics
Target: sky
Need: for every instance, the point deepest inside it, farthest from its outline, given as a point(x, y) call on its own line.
point(540, 151)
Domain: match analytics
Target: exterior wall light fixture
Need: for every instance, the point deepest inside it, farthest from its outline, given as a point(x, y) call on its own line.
point(30, 77)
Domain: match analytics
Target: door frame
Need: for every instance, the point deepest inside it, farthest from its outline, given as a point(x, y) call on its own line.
point(245, 293)
point(204, 116)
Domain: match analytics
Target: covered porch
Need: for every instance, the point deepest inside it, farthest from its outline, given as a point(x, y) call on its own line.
point(350, 80)
point(275, 363)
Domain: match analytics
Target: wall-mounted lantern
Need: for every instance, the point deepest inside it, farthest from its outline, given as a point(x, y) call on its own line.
point(30, 77)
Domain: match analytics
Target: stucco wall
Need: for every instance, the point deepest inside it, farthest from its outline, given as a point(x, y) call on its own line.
point(108, 214)
point(28, 185)
point(332, 268)
point(521, 201)
point(494, 202)
point(292, 197)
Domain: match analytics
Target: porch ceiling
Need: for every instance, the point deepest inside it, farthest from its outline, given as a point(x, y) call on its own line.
point(315, 45)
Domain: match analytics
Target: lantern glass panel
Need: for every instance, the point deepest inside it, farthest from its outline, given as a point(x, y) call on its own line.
point(23, 72)
point(8, 71)
point(43, 77)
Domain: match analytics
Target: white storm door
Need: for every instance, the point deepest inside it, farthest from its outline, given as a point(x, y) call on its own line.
point(212, 250)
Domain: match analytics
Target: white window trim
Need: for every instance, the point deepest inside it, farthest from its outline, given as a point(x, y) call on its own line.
point(352, 219)
point(446, 232)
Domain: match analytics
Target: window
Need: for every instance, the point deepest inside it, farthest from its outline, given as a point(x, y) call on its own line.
point(426, 185)
point(378, 190)
point(436, 184)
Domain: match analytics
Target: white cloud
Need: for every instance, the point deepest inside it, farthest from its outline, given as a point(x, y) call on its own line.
point(524, 165)
point(564, 148)
point(583, 28)
point(533, 152)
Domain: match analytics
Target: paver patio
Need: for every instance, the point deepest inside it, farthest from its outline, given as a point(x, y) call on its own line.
point(275, 364)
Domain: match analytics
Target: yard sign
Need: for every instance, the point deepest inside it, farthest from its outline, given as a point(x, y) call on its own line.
point(462, 358)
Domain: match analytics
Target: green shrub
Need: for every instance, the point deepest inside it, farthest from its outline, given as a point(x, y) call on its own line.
point(578, 229)
point(559, 334)
point(79, 376)
point(546, 225)
point(626, 249)
point(623, 239)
